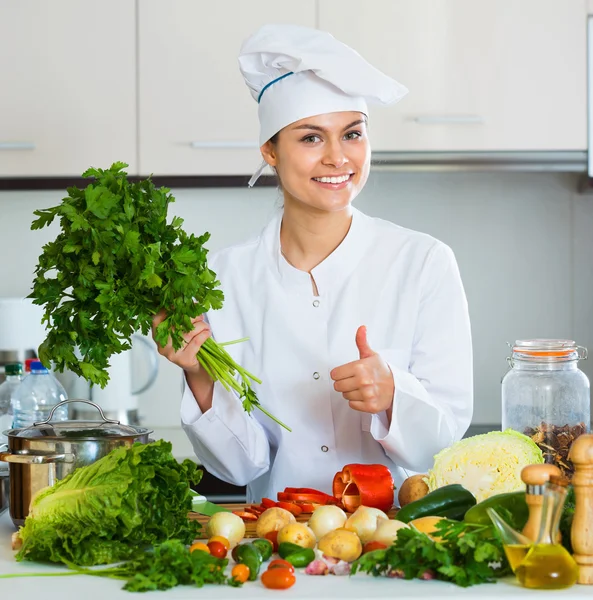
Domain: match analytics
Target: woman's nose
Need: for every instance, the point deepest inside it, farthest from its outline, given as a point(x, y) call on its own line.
point(335, 155)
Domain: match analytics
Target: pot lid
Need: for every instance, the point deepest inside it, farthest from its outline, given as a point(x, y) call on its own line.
point(77, 430)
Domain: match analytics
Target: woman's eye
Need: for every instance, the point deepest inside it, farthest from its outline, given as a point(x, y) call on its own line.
point(311, 139)
point(353, 135)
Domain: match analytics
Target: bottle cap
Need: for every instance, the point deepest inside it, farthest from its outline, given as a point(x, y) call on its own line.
point(28, 362)
point(13, 369)
point(37, 366)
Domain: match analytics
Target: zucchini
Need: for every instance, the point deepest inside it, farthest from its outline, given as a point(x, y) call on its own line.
point(513, 502)
point(450, 501)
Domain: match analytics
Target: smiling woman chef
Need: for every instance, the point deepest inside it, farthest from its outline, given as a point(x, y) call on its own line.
point(358, 328)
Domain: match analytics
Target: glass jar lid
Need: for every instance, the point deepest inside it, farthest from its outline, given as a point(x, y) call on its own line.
point(548, 350)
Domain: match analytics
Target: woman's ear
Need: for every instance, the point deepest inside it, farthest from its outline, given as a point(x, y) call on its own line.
point(268, 151)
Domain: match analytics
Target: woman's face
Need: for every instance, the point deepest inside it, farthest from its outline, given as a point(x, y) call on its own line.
point(323, 162)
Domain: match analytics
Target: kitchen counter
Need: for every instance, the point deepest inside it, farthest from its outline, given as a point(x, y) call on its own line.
point(358, 587)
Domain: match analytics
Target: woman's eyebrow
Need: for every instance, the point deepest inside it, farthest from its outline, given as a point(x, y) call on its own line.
point(317, 128)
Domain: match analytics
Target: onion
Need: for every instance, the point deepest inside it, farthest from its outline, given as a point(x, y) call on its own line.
point(228, 525)
point(364, 521)
point(325, 519)
point(386, 531)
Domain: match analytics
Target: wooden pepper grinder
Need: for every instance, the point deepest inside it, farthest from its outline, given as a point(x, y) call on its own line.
point(581, 533)
point(535, 478)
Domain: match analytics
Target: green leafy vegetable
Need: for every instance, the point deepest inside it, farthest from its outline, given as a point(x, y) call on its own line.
point(566, 519)
point(487, 464)
point(165, 566)
point(114, 266)
point(113, 509)
point(466, 555)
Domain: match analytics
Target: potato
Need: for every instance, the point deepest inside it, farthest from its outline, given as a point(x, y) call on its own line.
point(297, 533)
point(412, 489)
point(273, 519)
point(342, 544)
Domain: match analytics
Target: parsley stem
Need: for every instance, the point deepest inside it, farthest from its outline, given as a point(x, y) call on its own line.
point(220, 366)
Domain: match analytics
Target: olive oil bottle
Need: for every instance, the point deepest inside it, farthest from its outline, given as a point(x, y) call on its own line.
point(548, 565)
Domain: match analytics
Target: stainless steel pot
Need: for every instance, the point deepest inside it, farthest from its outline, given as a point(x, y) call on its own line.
point(47, 451)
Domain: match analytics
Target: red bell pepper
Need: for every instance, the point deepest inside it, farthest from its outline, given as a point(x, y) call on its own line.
point(268, 503)
point(298, 497)
point(295, 509)
point(366, 485)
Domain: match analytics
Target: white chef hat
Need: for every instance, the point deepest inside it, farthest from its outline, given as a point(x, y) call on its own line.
point(295, 72)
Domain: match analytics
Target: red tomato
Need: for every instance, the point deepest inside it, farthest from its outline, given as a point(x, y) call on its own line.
point(273, 537)
point(278, 563)
point(370, 546)
point(278, 579)
point(217, 549)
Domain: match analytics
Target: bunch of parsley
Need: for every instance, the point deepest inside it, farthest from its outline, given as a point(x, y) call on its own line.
point(466, 555)
point(114, 265)
point(163, 567)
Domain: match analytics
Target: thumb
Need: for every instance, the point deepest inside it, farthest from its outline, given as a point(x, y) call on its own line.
point(362, 344)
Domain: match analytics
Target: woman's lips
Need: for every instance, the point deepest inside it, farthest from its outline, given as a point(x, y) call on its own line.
point(334, 186)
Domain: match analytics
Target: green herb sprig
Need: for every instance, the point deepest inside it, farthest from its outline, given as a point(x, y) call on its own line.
point(466, 555)
point(163, 567)
point(115, 264)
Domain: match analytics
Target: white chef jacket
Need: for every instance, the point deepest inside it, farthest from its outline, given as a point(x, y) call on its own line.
point(406, 288)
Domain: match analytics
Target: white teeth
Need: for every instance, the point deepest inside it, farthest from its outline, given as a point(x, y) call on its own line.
point(332, 179)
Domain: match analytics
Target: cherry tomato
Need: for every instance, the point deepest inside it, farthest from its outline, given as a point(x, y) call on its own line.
point(370, 546)
point(278, 579)
point(222, 540)
point(278, 563)
point(273, 537)
point(199, 546)
point(217, 549)
point(240, 573)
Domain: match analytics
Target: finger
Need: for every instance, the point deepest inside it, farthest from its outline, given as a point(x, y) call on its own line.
point(344, 371)
point(197, 319)
point(361, 406)
point(354, 396)
point(346, 385)
point(200, 326)
point(191, 350)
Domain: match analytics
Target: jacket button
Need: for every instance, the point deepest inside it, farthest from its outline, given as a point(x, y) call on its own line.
point(324, 448)
point(316, 375)
point(315, 303)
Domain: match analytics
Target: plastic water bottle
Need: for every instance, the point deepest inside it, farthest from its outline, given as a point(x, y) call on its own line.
point(14, 376)
point(38, 393)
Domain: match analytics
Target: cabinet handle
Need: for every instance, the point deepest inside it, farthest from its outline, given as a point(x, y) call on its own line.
point(450, 120)
point(589, 96)
point(224, 145)
point(17, 146)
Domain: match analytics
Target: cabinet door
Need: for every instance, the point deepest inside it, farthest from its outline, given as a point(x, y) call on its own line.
point(483, 74)
point(67, 97)
point(196, 113)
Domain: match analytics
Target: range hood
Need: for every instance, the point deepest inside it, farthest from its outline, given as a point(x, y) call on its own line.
point(561, 161)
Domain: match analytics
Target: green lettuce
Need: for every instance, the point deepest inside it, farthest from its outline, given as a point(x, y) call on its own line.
point(486, 464)
point(113, 509)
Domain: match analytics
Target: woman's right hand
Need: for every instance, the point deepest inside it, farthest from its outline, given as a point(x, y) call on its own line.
point(185, 357)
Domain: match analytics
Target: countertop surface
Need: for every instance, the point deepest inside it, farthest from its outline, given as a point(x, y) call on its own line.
point(307, 587)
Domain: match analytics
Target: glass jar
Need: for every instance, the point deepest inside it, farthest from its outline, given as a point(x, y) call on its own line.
point(547, 397)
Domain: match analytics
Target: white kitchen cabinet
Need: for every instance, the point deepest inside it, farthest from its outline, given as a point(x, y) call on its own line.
point(484, 75)
point(67, 86)
point(196, 115)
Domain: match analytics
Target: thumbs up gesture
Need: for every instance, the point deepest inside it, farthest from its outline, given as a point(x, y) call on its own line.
point(366, 383)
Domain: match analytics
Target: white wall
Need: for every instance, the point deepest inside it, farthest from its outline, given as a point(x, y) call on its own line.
point(523, 243)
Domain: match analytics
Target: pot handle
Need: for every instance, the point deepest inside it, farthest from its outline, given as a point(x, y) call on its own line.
point(36, 459)
point(53, 410)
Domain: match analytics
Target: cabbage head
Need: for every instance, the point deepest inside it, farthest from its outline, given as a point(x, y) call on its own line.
point(486, 464)
point(113, 509)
